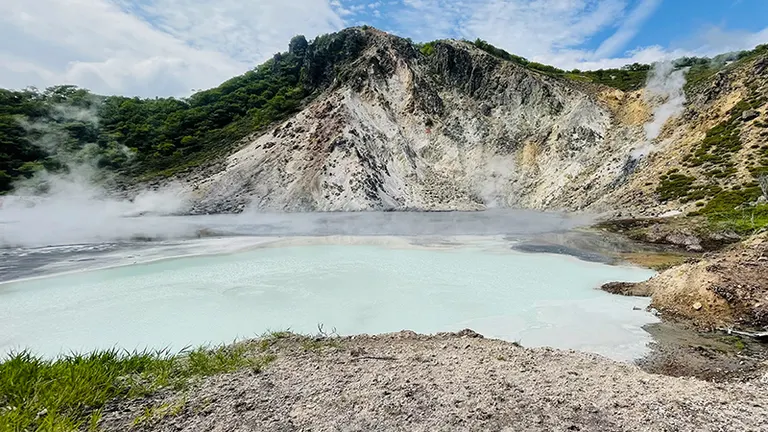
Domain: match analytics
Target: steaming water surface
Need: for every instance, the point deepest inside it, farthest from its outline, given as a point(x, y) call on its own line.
point(357, 281)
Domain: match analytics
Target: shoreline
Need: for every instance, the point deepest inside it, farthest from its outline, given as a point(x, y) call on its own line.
point(585, 244)
point(443, 381)
point(723, 363)
point(403, 380)
point(680, 350)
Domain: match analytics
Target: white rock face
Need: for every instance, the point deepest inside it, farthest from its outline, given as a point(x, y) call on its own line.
point(458, 130)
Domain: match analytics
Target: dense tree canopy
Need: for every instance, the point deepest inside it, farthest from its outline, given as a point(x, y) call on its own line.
point(50, 128)
point(39, 128)
point(629, 77)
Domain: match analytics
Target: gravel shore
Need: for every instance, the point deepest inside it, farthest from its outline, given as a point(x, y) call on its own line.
point(460, 381)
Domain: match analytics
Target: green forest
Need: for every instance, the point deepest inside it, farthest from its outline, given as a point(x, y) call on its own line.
point(161, 136)
point(627, 78)
point(48, 129)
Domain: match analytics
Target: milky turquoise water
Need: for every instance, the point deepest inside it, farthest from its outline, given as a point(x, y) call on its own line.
point(536, 299)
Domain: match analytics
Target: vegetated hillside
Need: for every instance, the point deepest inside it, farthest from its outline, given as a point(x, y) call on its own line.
point(627, 78)
point(710, 159)
point(52, 128)
point(372, 121)
point(143, 137)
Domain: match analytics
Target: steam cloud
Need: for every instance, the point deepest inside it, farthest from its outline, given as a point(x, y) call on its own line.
point(76, 207)
point(76, 211)
point(664, 92)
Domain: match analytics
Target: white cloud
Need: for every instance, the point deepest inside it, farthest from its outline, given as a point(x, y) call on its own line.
point(536, 28)
point(245, 30)
point(709, 43)
point(716, 40)
point(556, 31)
point(168, 47)
point(628, 29)
point(548, 31)
point(111, 47)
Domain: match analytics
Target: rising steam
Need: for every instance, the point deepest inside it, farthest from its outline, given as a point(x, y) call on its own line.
point(74, 210)
point(664, 92)
point(75, 206)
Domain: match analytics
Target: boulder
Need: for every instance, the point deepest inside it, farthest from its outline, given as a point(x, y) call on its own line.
point(749, 115)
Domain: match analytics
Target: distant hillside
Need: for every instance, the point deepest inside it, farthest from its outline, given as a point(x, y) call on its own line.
point(140, 137)
point(360, 120)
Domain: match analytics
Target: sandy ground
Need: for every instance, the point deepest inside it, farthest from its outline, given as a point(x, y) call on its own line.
point(405, 381)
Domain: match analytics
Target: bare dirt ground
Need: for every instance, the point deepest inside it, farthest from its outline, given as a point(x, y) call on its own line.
point(462, 381)
point(725, 289)
point(678, 350)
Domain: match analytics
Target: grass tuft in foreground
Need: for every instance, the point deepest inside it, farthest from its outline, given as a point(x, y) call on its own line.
point(67, 393)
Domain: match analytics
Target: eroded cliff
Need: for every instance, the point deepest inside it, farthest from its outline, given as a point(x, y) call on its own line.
point(459, 129)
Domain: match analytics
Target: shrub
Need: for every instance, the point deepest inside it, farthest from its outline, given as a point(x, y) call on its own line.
point(428, 49)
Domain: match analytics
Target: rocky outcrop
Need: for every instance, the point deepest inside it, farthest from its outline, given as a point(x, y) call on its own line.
point(723, 290)
point(456, 130)
point(460, 129)
point(627, 289)
point(692, 234)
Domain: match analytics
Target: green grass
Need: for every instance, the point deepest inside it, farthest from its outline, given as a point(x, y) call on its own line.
point(67, 393)
point(155, 413)
point(736, 341)
point(674, 186)
point(428, 49)
point(726, 202)
point(714, 158)
point(677, 186)
point(716, 149)
point(714, 154)
point(731, 210)
point(699, 74)
point(743, 221)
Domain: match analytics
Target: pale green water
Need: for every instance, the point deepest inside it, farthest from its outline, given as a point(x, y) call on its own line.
point(532, 298)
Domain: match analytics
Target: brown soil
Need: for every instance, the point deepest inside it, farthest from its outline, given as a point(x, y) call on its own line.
point(658, 261)
point(725, 289)
point(461, 381)
point(682, 351)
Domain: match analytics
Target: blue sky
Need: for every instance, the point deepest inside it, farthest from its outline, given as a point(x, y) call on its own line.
point(678, 23)
point(171, 47)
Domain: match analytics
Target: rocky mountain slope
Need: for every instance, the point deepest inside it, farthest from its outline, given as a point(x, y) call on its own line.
point(363, 120)
point(708, 159)
point(459, 129)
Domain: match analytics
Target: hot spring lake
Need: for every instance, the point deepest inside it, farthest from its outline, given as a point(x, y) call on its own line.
point(90, 286)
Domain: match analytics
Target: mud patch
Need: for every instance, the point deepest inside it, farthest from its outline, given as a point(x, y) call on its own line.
point(563, 250)
point(680, 351)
